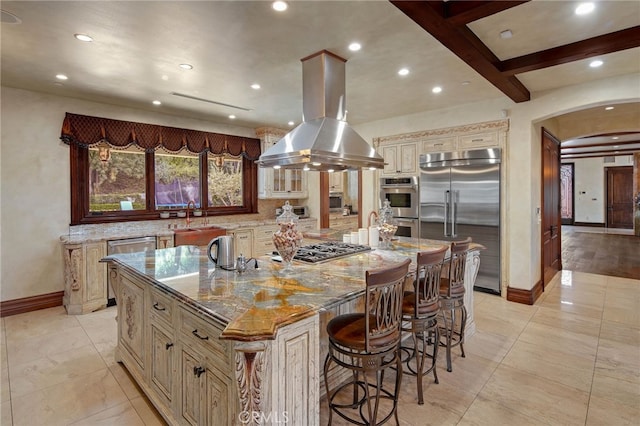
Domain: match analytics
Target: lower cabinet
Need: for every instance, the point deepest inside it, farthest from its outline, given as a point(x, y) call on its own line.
point(176, 357)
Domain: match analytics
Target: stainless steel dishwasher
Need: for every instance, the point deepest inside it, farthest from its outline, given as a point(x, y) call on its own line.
point(127, 245)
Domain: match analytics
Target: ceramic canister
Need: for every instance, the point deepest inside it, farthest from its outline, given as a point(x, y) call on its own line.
point(363, 236)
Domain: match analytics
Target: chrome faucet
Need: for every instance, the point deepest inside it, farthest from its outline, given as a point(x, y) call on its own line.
point(190, 204)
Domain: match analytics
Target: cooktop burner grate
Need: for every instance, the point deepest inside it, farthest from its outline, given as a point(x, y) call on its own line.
point(327, 251)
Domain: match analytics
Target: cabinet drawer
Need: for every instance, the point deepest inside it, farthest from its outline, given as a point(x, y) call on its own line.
point(479, 140)
point(439, 145)
point(264, 233)
point(161, 305)
point(197, 332)
point(263, 247)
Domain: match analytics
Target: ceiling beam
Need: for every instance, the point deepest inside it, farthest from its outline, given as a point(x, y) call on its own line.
point(465, 44)
point(462, 12)
point(594, 46)
point(604, 144)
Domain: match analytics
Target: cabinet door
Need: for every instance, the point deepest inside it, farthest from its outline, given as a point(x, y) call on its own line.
point(439, 145)
point(479, 140)
point(408, 158)
point(390, 153)
point(162, 354)
point(243, 240)
point(219, 399)
point(335, 181)
point(131, 319)
point(191, 369)
point(96, 272)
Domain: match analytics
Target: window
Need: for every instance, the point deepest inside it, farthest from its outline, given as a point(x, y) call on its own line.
point(111, 185)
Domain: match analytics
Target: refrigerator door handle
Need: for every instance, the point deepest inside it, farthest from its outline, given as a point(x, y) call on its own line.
point(446, 212)
point(453, 207)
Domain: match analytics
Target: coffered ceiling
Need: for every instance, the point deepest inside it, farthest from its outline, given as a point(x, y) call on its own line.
point(138, 46)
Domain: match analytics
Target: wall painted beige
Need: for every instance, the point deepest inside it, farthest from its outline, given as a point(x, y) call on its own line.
point(34, 172)
point(523, 153)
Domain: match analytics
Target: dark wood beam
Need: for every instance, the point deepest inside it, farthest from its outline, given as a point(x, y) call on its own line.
point(464, 44)
point(600, 45)
point(463, 12)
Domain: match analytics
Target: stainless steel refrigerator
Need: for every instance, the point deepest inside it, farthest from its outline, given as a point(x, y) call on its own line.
point(459, 198)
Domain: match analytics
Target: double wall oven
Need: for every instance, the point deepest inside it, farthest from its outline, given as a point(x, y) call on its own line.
point(404, 197)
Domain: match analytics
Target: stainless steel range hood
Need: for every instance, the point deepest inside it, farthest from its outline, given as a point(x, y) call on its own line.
point(324, 140)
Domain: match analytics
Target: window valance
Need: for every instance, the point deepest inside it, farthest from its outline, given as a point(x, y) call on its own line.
point(85, 130)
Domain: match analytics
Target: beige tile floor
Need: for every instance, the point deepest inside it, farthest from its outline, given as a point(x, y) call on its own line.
point(571, 359)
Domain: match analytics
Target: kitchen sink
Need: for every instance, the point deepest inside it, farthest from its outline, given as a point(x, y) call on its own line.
point(197, 236)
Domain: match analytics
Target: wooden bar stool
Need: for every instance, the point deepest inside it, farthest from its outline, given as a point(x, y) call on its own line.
point(367, 343)
point(420, 311)
point(452, 299)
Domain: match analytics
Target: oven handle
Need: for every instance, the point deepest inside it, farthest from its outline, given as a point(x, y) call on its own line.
point(414, 187)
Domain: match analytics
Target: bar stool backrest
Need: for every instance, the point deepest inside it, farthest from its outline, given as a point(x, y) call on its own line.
point(383, 307)
point(457, 263)
point(427, 285)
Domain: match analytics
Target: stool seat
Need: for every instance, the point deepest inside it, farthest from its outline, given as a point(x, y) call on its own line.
point(349, 330)
point(409, 302)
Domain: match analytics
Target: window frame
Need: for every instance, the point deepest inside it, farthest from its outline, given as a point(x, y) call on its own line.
point(80, 214)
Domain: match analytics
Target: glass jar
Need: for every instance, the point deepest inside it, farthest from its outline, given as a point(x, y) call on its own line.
point(387, 225)
point(287, 239)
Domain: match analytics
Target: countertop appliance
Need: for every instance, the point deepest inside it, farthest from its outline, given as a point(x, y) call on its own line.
point(404, 199)
point(335, 201)
point(128, 245)
point(459, 198)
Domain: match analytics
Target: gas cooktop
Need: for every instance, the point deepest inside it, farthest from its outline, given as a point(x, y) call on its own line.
point(329, 250)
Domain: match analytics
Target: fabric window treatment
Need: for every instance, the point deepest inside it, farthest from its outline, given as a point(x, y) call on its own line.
point(87, 131)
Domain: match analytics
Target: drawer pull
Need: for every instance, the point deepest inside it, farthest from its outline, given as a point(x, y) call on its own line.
point(157, 307)
point(168, 345)
point(195, 333)
point(198, 371)
point(438, 144)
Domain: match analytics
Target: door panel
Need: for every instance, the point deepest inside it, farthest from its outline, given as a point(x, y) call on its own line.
point(620, 197)
point(551, 250)
point(434, 184)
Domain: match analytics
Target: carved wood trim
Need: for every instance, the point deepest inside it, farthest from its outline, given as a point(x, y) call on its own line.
point(250, 368)
point(32, 303)
point(527, 297)
point(486, 126)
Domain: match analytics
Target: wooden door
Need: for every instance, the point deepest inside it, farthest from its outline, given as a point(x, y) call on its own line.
point(620, 197)
point(551, 250)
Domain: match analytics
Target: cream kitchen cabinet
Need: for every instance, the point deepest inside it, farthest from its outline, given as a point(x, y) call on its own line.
point(400, 159)
point(85, 288)
point(164, 241)
point(336, 182)
point(263, 239)
point(447, 144)
point(281, 183)
point(208, 393)
point(243, 242)
point(131, 324)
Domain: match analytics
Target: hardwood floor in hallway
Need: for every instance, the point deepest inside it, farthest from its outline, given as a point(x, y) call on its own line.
point(600, 251)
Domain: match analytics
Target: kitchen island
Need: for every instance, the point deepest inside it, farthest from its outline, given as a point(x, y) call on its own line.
point(210, 346)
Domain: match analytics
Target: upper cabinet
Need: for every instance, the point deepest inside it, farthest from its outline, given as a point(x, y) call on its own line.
point(279, 183)
point(336, 182)
point(400, 159)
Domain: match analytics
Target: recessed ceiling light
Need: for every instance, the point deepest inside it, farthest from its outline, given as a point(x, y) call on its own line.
point(437, 89)
point(596, 63)
point(279, 6)
point(506, 34)
point(83, 37)
point(255, 86)
point(276, 167)
point(616, 146)
point(291, 123)
point(316, 164)
point(165, 77)
point(585, 8)
point(306, 168)
point(466, 83)
point(330, 170)
point(609, 108)
point(186, 66)
point(232, 117)
point(354, 47)
point(403, 71)
point(615, 138)
point(62, 77)
point(156, 102)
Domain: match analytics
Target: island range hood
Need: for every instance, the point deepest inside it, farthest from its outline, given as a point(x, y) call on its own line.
point(323, 141)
